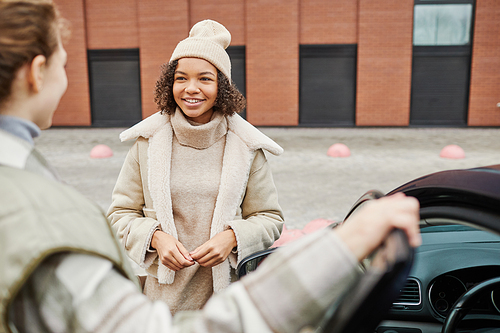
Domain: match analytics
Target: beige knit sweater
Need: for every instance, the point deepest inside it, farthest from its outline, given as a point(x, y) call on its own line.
point(197, 151)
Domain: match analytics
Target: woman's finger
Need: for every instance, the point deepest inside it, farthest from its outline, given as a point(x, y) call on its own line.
point(184, 252)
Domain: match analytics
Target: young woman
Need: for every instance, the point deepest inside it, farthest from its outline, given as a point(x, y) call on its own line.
point(195, 194)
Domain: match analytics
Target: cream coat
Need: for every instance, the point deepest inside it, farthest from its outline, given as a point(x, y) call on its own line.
point(247, 201)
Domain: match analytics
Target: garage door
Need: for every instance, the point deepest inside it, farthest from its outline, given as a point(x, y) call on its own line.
point(327, 85)
point(440, 86)
point(238, 69)
point(115, 90)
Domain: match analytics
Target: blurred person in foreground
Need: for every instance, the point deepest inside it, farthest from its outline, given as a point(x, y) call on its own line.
point(61, 268)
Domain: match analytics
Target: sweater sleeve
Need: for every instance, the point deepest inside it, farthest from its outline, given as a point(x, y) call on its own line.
point(75, 292)
point(294, 286)
point(262, 218)
point(84, 293)
point(133, 224)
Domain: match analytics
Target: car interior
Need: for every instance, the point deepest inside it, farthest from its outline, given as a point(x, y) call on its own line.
point(451, 283)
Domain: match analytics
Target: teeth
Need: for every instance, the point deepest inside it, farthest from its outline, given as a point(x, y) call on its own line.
point(192, 100)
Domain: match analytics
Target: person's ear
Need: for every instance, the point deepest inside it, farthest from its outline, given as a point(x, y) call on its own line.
point(36, 73)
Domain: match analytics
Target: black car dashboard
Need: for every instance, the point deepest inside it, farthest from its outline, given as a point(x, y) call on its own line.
point(452, 260)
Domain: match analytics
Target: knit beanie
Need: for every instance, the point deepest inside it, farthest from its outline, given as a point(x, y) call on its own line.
point(207, 40)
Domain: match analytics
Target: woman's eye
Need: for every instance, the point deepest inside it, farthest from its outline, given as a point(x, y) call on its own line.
point(179, 78)
point(206, 79)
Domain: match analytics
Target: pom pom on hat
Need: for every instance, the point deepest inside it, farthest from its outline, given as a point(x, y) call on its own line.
point(207, 40)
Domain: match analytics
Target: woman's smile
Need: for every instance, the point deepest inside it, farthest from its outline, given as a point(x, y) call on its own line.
point(193, 101)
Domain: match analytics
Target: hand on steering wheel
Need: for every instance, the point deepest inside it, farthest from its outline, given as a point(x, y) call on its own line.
point(375, 290)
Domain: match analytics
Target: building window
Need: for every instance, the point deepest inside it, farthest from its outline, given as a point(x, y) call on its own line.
point(442, 24)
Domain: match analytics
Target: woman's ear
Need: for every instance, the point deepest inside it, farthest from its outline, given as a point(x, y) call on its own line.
point(36, 73)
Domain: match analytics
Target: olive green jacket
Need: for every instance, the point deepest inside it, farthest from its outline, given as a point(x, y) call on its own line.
point(39, 218)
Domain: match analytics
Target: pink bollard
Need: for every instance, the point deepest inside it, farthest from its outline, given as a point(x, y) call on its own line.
point(453, 152)
point(101, 151)
point(288, 235)
point(316, 225)
point(338, 150)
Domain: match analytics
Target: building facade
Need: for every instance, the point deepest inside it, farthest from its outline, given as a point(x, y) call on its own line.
point(299, 62)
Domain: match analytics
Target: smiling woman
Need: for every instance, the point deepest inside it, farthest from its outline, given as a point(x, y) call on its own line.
point(195, 194)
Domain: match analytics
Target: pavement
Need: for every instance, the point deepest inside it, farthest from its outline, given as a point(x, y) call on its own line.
point(311, 185)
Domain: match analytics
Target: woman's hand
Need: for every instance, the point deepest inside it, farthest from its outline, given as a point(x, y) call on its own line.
point(215, 250)
point(170, 251)
point(365, 230)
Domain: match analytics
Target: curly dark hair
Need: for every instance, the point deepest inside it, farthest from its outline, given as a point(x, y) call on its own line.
point(229, 99)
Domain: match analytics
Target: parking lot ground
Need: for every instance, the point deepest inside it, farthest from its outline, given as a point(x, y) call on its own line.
point(310, 184)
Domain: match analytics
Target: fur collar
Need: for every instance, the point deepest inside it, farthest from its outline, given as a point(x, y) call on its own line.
point(252, 137)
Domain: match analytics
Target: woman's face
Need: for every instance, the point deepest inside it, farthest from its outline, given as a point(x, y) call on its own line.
point(195, 88)
point(54, 86)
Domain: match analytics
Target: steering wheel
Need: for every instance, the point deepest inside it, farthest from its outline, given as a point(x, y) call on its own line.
point(362, 306)
point(464, 304)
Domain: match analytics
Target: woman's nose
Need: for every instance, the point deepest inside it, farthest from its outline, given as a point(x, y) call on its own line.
point(192, 87)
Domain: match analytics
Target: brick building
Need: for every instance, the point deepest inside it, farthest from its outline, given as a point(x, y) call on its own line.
point(299, 62)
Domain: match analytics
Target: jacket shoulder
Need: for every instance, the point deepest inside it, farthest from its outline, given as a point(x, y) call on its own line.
point(56, 217)
point(145, 128)
point(252, 137)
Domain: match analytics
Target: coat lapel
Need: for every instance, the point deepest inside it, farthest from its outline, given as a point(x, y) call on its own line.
point(159, 157)
point(235, 168)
